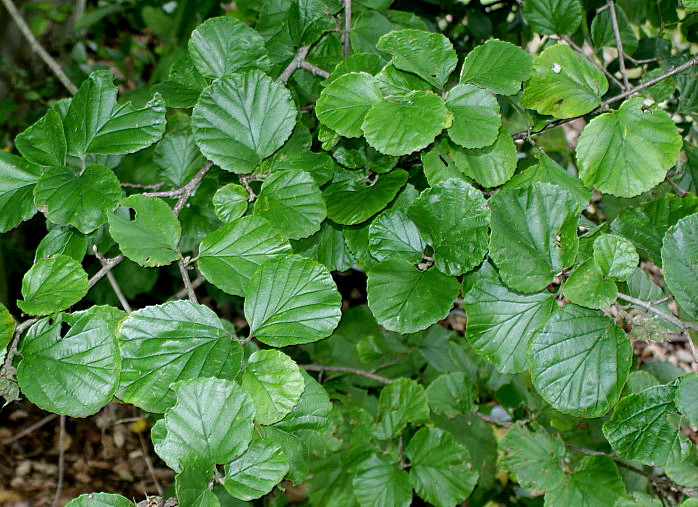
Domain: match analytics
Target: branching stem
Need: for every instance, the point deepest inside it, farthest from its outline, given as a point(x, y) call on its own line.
point(619, 43)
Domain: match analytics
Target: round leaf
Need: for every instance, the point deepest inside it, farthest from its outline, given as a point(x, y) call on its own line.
point(680, 262)
point(62, 241)
point(312, 412)
point(492, 165)
point(393, 234)
point(100, 500)
point(595, 482)
point(343, 105)
point(615, 256)
point(553, 17)
point(254, 474)
point(476, 118)
point(497, 66)
point(380, 483)
point(588, 287)
point(52, 285)
point(535, 458)
point(230, 202)
point(452, 394)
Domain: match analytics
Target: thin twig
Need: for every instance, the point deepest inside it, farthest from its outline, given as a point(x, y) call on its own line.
point(187, 281)
point(190, 188)
point(493, 420)
point(316, 71)
point(196, 283)
point(594, 62)
point(149, 464)
point(679, 191)
point(61, 463)
point(619, 44)
point(119, 294)
point(346, 35)
point(29, 430)
point(344, 369)
point(245, 182)
point(38, 48)
point(683, 326)
point(154, 186)
point(107, 266)
point(294, 65)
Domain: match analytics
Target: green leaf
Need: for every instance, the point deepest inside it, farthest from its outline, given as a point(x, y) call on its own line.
point(357, 62)
point(616, 256)
point(444, 160)
point(573, 347)
point(328, 247)
point(454, 219)
point(393, 287)
point(191, 484)
point(497, 66)
point(43, 143)
point(17, 180)
point(403, 124)
point(380, 483)
point(429, 55)
point(680, 262)
point(343, 105)
point(452, 394)
point(476, 118)
point(492, 165)
point(686, 398)
point(178, 158)
point(241, 119)
point(529, 253)
point(603, 34)
point(229, 256)
point(255, 473)
point(230, 202)
point(99, 500)
point(294, 449)
point(501, 322)
point(62, 241)
point(292, 300)
point(644, 427)
point(52, 285)
point(184, 84)
point(587, 286)
point(441, 471)
point(292, 202)
point(75, 374)
point(596, 482)
point(163, 344)
point(308, 20)
point(312, 412)
point(628, 151)
point(152, 238)
point(274, 382)
point(393, 234)
point(535, 458)
point(393, 81)
point(7, 329)
point(82, 200)
point(563, 83)
point(401, 402)
point(553, 17)
point(223, 45)
point(212, 420)
point(350, 201)
point(96, 123)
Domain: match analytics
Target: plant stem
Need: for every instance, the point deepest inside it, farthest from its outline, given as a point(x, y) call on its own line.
point(196, 283)
point(344, 369)
point(187, 281)
point(346, 35)
point(190, 188)
point(294, 65)
point(119, 294)
point(594, 62)
point(683, 326)
point(619, 43)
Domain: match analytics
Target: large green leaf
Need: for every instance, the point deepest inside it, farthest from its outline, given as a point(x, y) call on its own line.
point(563, 84)
point(292, 202)
point(394, 287)
point(393, 234)
point(501, 322)
point(178, 158)
point(312, 412)
point(241, 119)
point(212, 420)
point(256, 472)
point(152, 238)
point(680, 263)
point(393, 81)
point(43, 143)
point(343, 105)
point(497, 66)
point(429, 55)
point(401, 402)
point(403, 124)
point(294, 449)
point(96, 123)
point(580, 361)
point(644, 427)
point(184, 84)
point(292, 300)
point(553, 17)
point(476, 118)
point(167, 343)
point(191, 484)
point(587, 286)
point(274, 382)
point(535, 457)
point(454, 220)
point(75, 374)
point(441, 470)
point(380, 483)
point(595, 483)
point(53, 284)
point(628, 151)
point(492, 165)
point(229, 256)
point(224, 45)
point(452, 394)
point(528, 253)
point(17, 180)
point(82, 200)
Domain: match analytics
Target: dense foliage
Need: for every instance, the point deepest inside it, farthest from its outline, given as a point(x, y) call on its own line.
point(493, 160)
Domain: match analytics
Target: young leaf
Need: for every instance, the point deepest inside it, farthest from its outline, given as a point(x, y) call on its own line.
point(596, 481)
point(380, 483)
point(476, 118)
point(429, 55)
point(563, 84)
point(82, 200)
point(441, 472)
point(275, 384)
point(535, 457)
point(152, 238)
point(454, 219)
point(241, 119)
point(17, 180)
point(680, 262)
point(392, 289)
point(628, 151)
point(229, 256)
point(452, 394)
point(574, 346)
point(43, 143)
point(492, 165)
point(587, 286)
point(52, 285)
point(255, 473)
point(224, 45)
point(230, 202)
point(179, 340)
point(393, 234)
point(343, 105)
point(75, 374)
point(212, 421)
point(401, 402)
point(616, 256)
point(498, 66)
point(553, 17)
point(291, 300)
